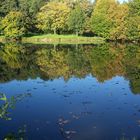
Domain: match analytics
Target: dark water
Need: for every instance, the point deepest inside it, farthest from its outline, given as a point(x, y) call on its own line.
point(72, 92)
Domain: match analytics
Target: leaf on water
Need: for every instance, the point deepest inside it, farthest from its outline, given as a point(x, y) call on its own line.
point(3, 97)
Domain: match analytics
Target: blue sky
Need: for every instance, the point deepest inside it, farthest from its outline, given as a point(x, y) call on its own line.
point(123, 0)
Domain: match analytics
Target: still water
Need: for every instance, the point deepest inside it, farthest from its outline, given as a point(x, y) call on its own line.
point(69, 92)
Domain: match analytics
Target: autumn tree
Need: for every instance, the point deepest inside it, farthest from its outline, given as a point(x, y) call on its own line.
point(13, 25)
point(53, 17)
point(104, 18)
point(100, 22)
point(118, 15)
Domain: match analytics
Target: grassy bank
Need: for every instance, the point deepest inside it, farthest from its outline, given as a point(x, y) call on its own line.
point(62, 39)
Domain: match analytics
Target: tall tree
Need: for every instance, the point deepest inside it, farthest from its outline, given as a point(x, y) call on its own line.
point(118, 15)
point(30, 8)
point(87, 7)
point(77, 20)
point(100, 22)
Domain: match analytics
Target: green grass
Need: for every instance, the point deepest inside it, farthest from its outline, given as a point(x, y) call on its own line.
point(55, 36)
point(62, 39)
point(59, 39)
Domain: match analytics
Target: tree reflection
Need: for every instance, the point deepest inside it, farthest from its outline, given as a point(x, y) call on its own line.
point(49, 62)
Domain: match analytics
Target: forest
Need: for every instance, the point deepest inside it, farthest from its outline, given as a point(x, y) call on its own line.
point(108, 19)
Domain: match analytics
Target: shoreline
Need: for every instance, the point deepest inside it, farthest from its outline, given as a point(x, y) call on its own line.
point(63, 39)
point(60, 39)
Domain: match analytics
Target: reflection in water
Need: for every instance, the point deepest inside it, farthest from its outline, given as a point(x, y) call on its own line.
point(21, 62)
point(19, 135)
point(80, 92)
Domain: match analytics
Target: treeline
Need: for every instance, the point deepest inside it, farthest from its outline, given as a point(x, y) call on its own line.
point(104, 18)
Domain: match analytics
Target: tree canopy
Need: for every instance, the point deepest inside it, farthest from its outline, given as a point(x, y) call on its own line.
point(133, 20)
point(76, 20)
point(13, 25)
point(53, 17)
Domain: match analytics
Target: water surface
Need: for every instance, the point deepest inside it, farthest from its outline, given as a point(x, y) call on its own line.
point(77, 92)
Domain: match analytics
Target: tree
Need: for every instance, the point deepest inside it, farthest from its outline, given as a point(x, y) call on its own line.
point(100, 22)
point(118, 16)
point(53, 17)
point(76, 20)
point(87, 7)
point(30, 8)
point(133, 21)
point(13, 25)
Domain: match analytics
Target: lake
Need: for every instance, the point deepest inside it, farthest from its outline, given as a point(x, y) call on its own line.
point(69, 92)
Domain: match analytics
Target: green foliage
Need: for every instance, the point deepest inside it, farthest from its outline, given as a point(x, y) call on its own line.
point(53, 17)
point(104, 18)
point(118, 16)
point(13, 25)
point(100, 20)
point(76, 20)
point(133, 22)
point(8, 5)
point(0, 25)
point(86, 6)
point(133, 28)
point(134, 6)
point(30, 8)
point(109, 20)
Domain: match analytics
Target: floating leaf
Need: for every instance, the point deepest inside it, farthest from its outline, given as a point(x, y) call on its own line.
point(3, 97)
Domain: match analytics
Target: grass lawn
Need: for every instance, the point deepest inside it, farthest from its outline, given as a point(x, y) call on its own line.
point(55, 36)
point(59, 39)
point(62, 39)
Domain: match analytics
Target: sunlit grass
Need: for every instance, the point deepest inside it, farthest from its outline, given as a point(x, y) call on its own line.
point(59, 39)
point(56, 36)
point(62, 39)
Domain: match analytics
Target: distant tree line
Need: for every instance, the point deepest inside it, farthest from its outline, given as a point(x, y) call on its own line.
point(105, 18)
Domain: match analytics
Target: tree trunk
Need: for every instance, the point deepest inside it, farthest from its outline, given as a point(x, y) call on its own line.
point(77, 33)
point(54, 31)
